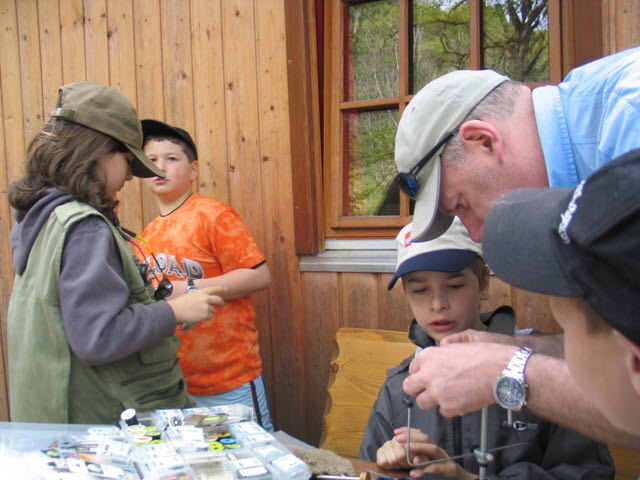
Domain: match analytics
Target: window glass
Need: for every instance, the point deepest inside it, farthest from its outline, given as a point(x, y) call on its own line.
point(371, 50)
point(516, 39)
point(370, 167)
point(440, 39)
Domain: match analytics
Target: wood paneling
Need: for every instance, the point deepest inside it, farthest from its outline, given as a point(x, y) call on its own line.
point(218, 69)
point(620, 25)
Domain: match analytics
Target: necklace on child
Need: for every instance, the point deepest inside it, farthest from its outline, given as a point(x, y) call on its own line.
point(177, 207)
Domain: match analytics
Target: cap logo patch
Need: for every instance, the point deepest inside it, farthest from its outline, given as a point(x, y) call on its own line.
point(407, 236)
point(567, 216)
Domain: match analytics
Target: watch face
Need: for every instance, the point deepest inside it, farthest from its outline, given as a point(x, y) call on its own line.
point(510, 393)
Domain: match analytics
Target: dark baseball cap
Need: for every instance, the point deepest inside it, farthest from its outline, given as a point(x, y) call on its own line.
point(581, 242)
point(107, 111)
point(156, 127)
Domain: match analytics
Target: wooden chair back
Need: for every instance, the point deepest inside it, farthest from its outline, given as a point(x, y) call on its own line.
point(359, 365)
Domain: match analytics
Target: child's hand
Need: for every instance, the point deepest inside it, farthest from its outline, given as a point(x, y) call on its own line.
point(198, 305)
point(393, 454)
point(423, 450)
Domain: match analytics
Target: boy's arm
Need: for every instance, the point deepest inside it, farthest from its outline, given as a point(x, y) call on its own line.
point(239, 282)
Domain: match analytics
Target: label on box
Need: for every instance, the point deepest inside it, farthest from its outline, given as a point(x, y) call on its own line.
point(288, 463)
point(246, 463)
point(254, 472)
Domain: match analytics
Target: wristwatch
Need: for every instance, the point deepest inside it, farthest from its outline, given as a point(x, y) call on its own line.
point(510, 389)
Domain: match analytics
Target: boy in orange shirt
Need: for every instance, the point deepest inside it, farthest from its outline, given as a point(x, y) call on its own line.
point(199, 242)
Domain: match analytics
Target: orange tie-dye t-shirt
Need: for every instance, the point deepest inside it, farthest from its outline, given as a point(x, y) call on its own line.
point(205, 238)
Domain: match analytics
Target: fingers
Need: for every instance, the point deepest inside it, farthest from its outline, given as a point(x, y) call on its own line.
point(460, 337)
point(213, 298)
point(417, 436)
point(214, 290)
point(392, 456)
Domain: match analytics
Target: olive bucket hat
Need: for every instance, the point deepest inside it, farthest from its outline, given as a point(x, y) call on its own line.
point(107, 111)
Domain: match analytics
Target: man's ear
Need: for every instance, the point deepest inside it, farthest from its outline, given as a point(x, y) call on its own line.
point(632, 359)
point(481, 136)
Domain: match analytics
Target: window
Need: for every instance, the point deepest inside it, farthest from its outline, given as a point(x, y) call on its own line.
point(378, 53)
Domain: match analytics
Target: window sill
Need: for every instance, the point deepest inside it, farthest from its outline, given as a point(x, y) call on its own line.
point(358, 256)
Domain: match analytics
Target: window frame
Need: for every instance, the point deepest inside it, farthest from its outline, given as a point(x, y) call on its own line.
point(335, 108)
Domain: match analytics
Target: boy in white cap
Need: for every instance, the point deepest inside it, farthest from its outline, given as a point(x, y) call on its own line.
point(444, 280)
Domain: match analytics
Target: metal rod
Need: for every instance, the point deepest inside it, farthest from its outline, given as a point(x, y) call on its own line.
point(483, 444)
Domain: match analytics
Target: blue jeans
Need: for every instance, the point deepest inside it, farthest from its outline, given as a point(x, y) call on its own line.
point(252, 394)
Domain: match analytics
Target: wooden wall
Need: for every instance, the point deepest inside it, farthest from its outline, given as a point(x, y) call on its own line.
point(215, 67)
point(219, 68)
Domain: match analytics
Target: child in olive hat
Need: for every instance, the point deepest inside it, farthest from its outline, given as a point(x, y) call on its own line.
point(84, 325)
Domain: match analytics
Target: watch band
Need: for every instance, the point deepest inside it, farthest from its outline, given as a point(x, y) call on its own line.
point(518, 363)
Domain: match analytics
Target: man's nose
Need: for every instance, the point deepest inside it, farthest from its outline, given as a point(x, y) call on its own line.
point(473, 225)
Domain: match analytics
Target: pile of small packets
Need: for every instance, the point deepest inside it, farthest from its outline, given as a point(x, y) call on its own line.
point(214, 443)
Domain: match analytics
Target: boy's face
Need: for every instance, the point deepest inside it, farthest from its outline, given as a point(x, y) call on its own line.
point(602, 363)
point(444, 303)
point(171, 159)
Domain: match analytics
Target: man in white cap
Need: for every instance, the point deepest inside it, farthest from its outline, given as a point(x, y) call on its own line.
point(469, 137)
point(465, 140)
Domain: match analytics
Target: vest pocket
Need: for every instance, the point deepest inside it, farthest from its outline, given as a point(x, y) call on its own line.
point(149, 379)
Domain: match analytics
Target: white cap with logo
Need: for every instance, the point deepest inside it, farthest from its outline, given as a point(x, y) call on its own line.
point(453, 251)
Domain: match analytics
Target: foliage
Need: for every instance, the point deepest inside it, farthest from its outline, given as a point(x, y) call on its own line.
point(515, 42)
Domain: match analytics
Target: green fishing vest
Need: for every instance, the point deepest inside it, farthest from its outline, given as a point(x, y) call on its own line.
point(47, 381)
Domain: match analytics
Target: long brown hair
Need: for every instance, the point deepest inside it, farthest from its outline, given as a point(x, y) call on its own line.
point(65, 155)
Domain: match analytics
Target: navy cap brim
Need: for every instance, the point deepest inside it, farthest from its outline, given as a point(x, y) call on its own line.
point(438, 261)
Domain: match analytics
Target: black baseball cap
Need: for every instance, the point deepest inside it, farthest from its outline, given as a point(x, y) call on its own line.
point(156, 127)
point(578, 242)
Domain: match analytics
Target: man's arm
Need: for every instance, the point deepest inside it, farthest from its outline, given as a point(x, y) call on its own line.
point(545, 343)
point(459, 378)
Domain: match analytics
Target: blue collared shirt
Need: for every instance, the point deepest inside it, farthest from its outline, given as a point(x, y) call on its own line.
point(590, 118)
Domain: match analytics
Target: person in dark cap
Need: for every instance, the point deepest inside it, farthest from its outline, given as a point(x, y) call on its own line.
point(88, 335)
point(581, 246)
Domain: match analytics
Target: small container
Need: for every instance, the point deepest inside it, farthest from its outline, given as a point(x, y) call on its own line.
point(129, 416)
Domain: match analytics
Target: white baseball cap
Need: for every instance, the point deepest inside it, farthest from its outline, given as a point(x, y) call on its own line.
point(453, 251)
point(432, 116)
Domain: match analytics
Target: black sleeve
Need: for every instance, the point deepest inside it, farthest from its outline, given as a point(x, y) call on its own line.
point(567, 455)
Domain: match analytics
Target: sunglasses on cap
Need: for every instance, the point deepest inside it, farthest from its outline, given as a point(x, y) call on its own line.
point(408, 182)
point(164, 286)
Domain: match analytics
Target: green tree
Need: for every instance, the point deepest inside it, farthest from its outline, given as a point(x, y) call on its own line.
point(515, 42)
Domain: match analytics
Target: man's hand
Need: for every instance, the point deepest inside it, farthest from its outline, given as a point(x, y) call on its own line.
point(477, 336)
point(551, 344)
point(459, 377)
